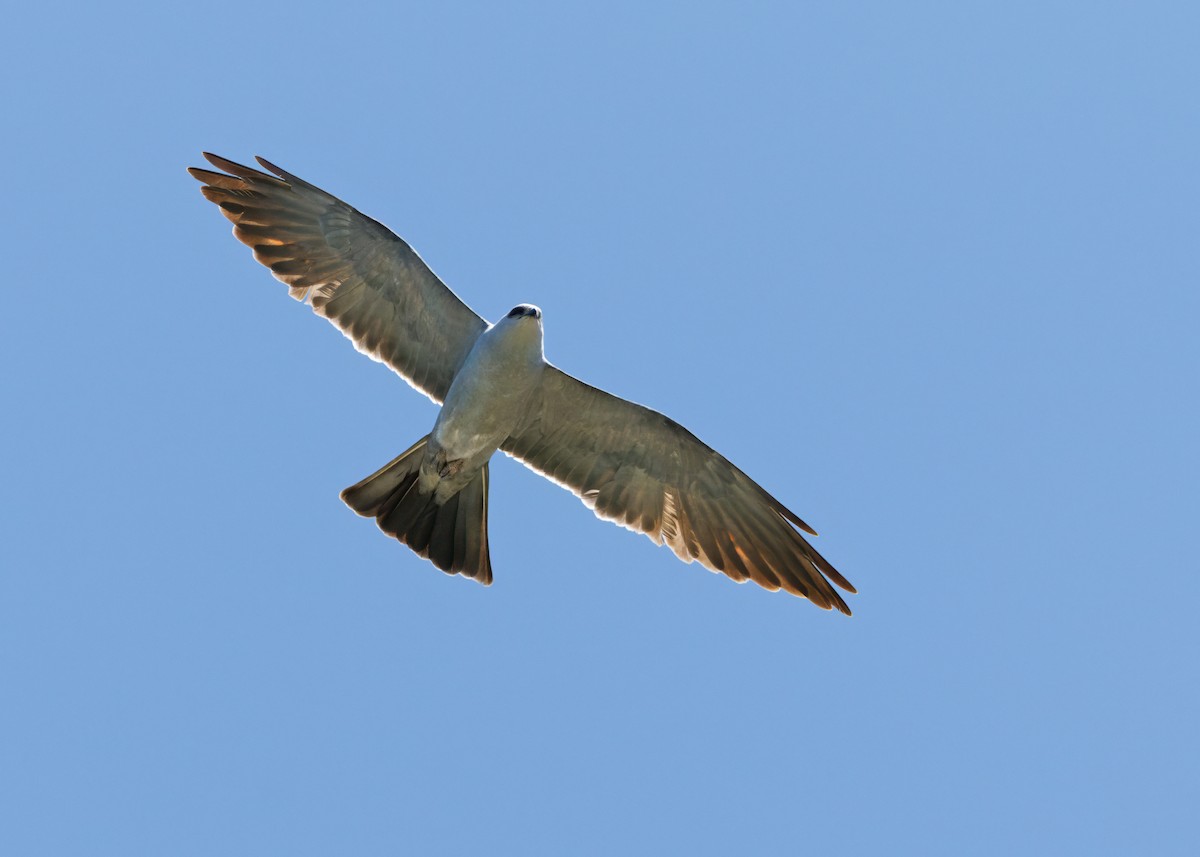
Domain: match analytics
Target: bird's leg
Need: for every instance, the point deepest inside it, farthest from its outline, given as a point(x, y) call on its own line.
point(446, 469)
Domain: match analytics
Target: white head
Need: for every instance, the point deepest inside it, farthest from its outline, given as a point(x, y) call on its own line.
point(523, 324)
point(524, 311)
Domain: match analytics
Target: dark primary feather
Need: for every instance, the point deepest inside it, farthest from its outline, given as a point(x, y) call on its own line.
point(352, 269)
point(646, 472)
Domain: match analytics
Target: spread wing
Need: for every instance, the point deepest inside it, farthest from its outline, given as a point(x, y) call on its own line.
point(636, 467)
point(350, 268)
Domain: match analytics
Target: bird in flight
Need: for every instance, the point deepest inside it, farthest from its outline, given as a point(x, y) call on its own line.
point(627, 463)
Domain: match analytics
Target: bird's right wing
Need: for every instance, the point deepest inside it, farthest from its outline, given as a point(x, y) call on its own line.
point(644, 471)
point(352, 269)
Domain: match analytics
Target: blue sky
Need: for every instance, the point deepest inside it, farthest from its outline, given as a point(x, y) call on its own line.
point(927, 271)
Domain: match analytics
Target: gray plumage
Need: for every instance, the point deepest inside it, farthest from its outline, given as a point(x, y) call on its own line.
point(627, 463)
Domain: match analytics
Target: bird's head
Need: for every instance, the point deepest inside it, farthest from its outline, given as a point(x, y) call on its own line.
point(522, 324)
point(522, 311)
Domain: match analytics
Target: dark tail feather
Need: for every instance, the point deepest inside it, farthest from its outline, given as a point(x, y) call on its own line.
point(452, 535)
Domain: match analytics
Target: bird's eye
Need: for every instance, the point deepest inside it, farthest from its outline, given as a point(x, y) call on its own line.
point(517, 310)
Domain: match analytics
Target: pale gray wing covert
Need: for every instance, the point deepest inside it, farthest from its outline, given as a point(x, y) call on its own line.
point(350, 268)
point(636, 467)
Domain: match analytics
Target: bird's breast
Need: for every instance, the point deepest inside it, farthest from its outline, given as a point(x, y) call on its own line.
point(489, 395)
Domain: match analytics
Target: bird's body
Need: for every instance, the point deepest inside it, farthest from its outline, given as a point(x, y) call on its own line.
point(487, 397)
point(629, 464)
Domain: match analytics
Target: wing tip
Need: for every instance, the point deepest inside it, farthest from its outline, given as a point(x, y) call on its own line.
point(242, 171)
point(267, 165)
point(830, 601)
point(793, 518)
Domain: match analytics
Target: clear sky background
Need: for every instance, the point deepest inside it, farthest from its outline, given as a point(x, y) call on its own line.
point(927, 271)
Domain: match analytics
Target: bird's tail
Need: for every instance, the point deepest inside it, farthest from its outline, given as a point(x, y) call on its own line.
point(452, 535)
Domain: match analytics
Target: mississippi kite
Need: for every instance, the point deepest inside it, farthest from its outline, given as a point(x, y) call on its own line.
point(627, 463)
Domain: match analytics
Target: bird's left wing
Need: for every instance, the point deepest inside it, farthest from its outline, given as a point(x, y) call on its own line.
point(640, 469)
point(353, 270)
